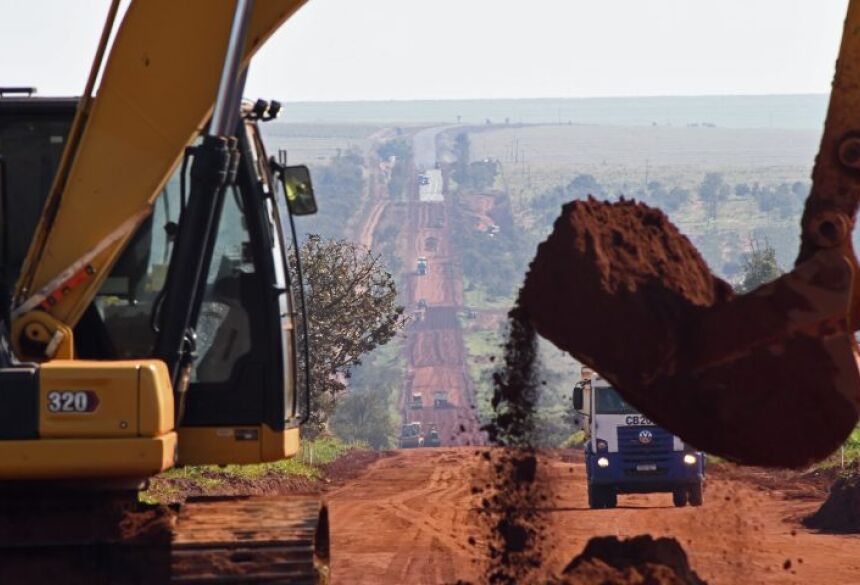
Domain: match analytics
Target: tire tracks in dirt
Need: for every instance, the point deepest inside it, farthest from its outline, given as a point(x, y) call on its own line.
point(408, 519)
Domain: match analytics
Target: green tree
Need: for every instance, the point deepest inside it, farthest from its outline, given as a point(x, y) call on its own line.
point(338, 186)
point(742, 190)
point(461, 154)
point(364, 416)
point(482, 174)
point(712, 192)
point(760, 267)
point(352, 309)
point(398, 147)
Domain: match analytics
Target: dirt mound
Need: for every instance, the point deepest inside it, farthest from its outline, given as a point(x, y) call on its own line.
point(621, 289)
point(352, 464)
point(641, 560)
point(841, 511)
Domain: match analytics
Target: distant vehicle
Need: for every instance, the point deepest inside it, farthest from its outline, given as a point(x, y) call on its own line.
point(423, 180)
point(626, 453)
point(422, 304)
point(422, 266)
point(417, 401)
point(440, 399)
point(432, 438)
point(411, 436)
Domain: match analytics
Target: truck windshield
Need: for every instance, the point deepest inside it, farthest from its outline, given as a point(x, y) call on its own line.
point(610, 402)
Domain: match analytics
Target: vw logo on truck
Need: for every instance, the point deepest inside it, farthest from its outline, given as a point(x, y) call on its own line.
point(645, 437)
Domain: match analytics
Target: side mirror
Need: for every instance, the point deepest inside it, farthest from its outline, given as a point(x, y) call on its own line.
point(298, 189)
point(578, 401)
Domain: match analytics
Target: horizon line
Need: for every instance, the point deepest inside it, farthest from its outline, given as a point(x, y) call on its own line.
point(547, 98)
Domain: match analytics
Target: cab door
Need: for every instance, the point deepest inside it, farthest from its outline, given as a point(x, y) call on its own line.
point(241, 404)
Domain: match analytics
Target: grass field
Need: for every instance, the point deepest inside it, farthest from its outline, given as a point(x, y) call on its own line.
point(536, 159)
point(316, 143)
point(308, 464)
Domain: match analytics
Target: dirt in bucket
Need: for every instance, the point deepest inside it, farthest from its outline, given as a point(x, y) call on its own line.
point(618, 286)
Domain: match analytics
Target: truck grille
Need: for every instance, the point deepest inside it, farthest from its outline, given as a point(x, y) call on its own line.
point(635, 454)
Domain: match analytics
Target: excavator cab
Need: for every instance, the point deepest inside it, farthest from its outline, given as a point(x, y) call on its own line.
point(241, 403)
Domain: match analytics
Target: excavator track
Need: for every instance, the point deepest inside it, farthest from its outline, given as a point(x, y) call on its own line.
point(116, 541)
point(251, 540)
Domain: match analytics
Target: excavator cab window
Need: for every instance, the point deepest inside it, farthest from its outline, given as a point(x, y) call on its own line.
point(244, 373)
point(32, 137)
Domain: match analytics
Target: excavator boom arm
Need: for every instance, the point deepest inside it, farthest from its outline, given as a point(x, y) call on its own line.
point(156, 93)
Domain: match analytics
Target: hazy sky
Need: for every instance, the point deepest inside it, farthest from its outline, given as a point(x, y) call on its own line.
point(404, 49)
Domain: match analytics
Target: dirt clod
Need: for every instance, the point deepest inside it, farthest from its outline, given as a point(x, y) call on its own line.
point(637, 560)
point(841, 511)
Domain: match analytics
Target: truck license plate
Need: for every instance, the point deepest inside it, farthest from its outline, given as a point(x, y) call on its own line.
point(647, 467)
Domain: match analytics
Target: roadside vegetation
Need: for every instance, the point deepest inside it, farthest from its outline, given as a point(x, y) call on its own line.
point(398, 151)
point(300, 472)
point(351, 291)
point(352, 309)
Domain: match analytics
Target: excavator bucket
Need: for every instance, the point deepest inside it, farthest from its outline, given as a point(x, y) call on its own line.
point(766, 378)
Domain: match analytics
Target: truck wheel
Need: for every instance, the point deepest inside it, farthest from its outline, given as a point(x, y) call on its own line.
point(610, 498)
point(679, 497)
point(696, 495)
point(594, 497)
point(600, 497)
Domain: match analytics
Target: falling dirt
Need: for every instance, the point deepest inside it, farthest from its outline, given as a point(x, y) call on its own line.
point(622, 290)
point(608, 560)
point(512, 504)
point(840, 513)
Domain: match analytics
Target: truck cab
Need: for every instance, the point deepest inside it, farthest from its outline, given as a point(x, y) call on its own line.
point(432, 438)
point(626, 453)
point(417, 401)
point(421, 267)
point(440, 399)
point(411, 436)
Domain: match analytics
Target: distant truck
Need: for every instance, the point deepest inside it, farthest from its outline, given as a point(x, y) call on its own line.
point(417, 401)
point(432, 439)
point(422, 266)
point(440, 399)
point(411, 436)
point(625, 453)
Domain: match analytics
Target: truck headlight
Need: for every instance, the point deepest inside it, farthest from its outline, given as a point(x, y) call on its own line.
point(690, 459)
point(603, 462)
point(602, 446)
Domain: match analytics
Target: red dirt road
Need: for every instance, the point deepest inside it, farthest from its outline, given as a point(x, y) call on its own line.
point(408, 518)
point(436, 355)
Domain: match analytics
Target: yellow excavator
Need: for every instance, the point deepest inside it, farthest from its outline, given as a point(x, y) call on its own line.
point(152, 320)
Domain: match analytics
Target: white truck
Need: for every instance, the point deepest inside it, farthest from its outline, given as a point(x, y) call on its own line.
point(625, 453)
